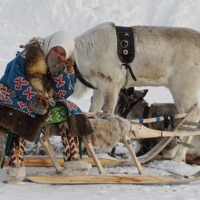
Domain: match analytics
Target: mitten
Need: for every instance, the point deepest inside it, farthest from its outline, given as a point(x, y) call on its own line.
point(39, 104)
point(56, 66)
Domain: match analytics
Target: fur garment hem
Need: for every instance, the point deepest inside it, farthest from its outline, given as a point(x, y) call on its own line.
point(79, 125)
point(20, 123)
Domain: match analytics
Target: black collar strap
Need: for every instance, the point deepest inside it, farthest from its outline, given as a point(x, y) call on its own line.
point(125, 47)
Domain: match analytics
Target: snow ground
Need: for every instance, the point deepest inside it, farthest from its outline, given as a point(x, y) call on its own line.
point(21, 20)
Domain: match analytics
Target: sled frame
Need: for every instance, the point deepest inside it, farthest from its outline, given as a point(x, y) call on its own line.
point(138, 131)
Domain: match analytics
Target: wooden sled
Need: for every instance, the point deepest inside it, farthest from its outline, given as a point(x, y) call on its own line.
point(138, 131)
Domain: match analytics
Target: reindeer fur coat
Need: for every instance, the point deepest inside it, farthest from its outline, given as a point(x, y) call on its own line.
point(16, 91)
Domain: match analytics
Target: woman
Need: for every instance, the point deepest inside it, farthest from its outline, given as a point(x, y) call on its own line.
point(17, 93)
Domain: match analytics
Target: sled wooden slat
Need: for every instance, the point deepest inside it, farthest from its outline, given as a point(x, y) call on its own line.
point(140, 131)
point(48, 147)
point(90, 149)
point(107, 179)
point(149, 120)
point(192, 123)
point(43, 161)
point(189, 129)
point(128, 145)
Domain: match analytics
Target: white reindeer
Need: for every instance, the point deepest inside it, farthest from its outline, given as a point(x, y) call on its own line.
point(164, 56)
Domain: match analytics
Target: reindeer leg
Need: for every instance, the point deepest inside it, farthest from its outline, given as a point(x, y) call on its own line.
point(128, 145)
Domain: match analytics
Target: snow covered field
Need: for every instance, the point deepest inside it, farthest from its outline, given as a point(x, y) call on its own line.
point(21, 20)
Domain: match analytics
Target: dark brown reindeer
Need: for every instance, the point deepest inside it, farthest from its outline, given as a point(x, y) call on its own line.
point(132, 105)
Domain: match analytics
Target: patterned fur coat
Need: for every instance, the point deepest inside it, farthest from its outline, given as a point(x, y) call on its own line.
point(16, 91)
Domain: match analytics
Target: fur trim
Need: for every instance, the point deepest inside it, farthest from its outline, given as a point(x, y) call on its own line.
point(37, 70)
point(16, 174)
point(69, 63)
point(108, 131)
point(79, 125)
point(20, 123)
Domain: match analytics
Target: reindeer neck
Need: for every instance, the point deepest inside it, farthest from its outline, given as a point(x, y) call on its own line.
point(137, 110)
point(146, 112)
point(132, 106)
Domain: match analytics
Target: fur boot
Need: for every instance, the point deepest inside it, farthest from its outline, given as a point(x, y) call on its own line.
point(16, 168)
point(72, 160)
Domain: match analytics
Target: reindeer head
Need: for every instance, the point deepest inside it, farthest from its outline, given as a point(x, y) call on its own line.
point(127, 99)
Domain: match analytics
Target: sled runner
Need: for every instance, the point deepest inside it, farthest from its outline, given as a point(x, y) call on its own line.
point(105, 179)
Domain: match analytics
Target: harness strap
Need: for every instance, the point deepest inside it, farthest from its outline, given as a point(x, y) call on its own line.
point(125, 44)
point(127, 67)
point(168, 120)
point(125, 47)
point(81, 79)
point(146, 114)
point(129, 108)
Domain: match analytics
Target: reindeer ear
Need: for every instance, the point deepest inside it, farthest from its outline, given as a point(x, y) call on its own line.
point(143, 92)
point(130, 91)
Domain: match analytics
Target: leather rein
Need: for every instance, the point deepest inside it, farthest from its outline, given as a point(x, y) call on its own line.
point(81, 79)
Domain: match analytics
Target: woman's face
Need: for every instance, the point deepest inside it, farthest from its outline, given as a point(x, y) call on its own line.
point(58, 51)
